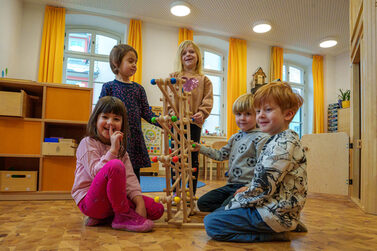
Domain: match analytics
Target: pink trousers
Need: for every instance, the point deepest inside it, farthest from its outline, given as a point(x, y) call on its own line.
point(107, 195)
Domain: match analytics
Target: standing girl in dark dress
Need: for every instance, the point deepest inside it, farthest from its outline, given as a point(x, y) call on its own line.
point(123, 59)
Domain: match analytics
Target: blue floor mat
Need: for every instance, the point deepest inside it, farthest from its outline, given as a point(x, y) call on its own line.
point(156, 184)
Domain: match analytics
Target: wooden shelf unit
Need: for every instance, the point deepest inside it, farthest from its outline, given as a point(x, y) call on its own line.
point(58, 110)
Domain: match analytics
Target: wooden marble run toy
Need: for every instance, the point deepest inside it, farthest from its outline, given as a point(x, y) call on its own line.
point(175, 122)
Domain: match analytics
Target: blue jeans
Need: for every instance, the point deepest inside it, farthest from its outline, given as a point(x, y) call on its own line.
point(216, 198)
point(240, 225)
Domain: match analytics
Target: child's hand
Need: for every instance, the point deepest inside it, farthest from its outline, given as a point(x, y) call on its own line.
point(198, 118)
point(196, 148)
point(116, 141)
point(240, 190)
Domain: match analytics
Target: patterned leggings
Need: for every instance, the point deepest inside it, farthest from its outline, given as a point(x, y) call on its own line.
point(107, 195)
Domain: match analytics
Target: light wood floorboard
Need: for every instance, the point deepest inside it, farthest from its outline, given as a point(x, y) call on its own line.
point(334, 223)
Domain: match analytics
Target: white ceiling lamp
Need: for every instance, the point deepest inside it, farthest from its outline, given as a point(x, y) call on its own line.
point(261, 27)
point(180, 9)
point(327, 43)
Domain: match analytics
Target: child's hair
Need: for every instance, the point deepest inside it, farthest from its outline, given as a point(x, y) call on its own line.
point(178, 60)
point(117, 54)
point(109, 104)
point(243, 103)
point(281, 93)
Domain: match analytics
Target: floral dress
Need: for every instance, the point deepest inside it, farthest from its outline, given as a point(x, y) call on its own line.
point(135, 99)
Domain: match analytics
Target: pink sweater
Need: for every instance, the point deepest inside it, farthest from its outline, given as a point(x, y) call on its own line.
point(91, 156)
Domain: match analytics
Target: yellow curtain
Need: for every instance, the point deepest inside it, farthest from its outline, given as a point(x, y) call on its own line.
point(135, 40)
point(276, 64)
point(317, 68)
point(52, 46)
point(236, 81)
point(184, 34)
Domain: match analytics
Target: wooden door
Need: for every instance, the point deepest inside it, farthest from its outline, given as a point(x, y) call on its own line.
point(327, 162)
point(355, 169)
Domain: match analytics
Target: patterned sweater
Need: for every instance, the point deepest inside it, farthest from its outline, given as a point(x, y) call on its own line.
point(279, 187)
point(242, 150)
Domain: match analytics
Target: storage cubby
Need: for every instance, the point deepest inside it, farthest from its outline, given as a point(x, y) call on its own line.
point(19, 173)
point(54, 110)
point(33, 91)
point(58, 173)
point(19, 163)
point(20, 136)
point(65, 130)
point(65, 103)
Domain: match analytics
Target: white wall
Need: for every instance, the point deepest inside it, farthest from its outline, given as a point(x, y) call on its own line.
point(160, 44)
point(342, 72)
point(10, 23)
point(337, 76)
point(93, 20)
point(329, 85)
point(258, 55)
point(30, 41)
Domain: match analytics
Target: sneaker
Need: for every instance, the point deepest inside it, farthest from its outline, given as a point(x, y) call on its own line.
point(131, 221)
point(301, 227)
point(90, 222)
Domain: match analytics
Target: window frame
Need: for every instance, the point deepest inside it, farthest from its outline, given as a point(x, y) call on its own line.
point(221, 74)
point(303, 87)
point(91, 56)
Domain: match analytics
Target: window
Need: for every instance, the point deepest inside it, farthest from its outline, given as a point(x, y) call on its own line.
point(213, 68)
point(86, 58)
point(294, 75)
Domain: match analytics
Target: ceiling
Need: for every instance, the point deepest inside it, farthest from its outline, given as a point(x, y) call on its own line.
point(296, 24)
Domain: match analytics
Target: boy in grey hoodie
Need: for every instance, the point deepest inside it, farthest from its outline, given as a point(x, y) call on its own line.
point(242, 151)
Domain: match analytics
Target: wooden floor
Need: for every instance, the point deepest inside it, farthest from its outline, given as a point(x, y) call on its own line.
point(334, 223)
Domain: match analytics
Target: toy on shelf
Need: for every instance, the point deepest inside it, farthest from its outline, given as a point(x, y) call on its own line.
point(177, 152)
point(332, 117)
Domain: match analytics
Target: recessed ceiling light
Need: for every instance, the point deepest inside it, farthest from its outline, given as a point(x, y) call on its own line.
point(327, 43)
point(180, 9)
point(261, 27)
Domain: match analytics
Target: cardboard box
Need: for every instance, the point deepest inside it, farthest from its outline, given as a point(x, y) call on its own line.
point(11, 181)
point(16, 104)
point(59, 149)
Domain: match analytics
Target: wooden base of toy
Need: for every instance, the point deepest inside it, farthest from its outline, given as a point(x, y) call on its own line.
point(196, 221)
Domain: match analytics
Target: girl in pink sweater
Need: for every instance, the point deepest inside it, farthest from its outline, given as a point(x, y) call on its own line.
point(106, 187)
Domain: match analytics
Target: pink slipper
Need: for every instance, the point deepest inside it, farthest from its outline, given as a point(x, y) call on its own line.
point(131, 221)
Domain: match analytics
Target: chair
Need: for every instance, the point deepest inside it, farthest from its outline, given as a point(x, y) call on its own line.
point(220, 165)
